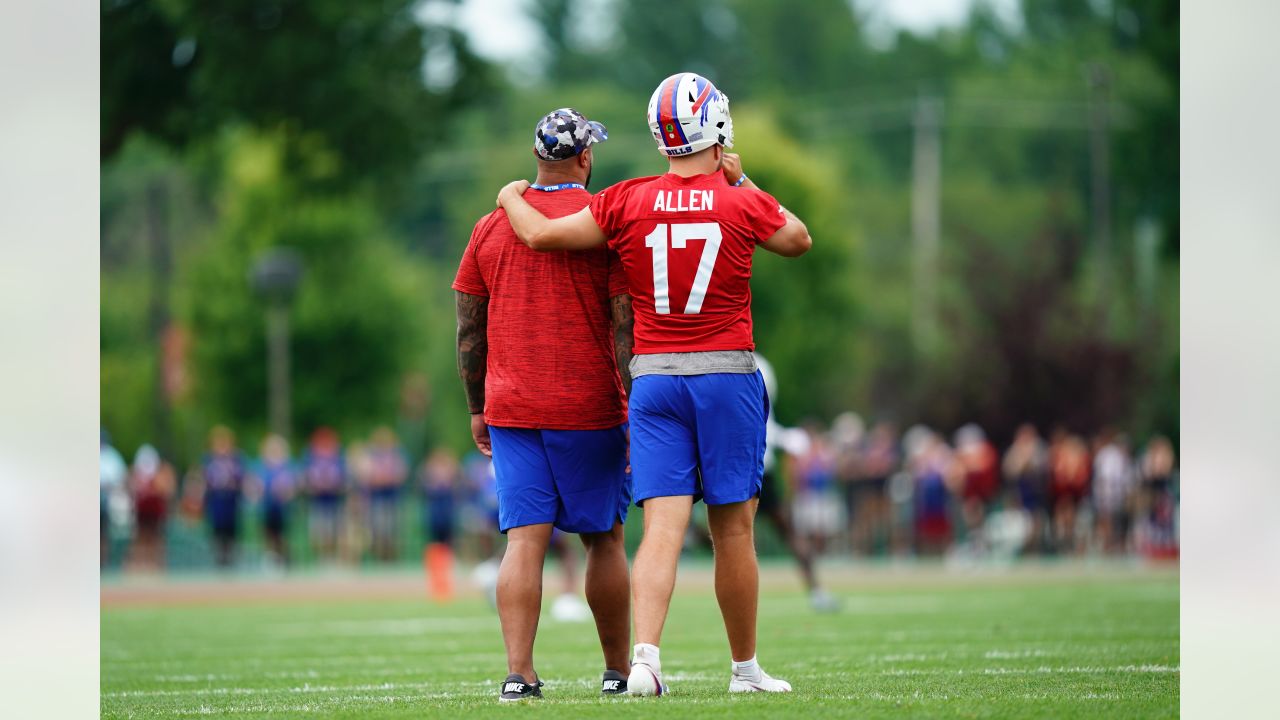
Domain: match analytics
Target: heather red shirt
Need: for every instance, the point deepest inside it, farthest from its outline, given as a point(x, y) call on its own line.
point(686, 246)
point(551, 363)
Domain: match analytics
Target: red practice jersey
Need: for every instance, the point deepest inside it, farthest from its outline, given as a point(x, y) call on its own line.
point(551, 363)
point(686, 246)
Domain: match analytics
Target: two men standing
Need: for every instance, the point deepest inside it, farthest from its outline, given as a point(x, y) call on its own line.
point(543, 284)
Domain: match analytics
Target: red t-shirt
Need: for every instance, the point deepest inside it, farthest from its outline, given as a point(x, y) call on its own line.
point(686, 245)
point(551, 363)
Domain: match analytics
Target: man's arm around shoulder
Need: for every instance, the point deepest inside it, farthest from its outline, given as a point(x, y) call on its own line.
point(578, 231)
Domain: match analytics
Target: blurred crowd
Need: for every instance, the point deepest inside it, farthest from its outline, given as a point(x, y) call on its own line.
point(353, 500)
point(850, 491)
point(874, 491)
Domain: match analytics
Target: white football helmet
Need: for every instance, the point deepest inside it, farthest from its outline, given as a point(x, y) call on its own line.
point(687, 114)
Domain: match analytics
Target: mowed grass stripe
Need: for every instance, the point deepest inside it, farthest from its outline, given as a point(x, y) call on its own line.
point(1012, 650)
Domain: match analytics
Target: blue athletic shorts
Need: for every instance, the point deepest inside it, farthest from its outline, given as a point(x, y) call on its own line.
point(699, 435)
point(575, 479)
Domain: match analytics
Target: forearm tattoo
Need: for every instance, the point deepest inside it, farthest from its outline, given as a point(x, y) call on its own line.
point(473, 347)
point(623, 338)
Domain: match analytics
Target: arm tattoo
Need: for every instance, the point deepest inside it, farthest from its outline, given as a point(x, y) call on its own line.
point(623, 339)
point(473, 347)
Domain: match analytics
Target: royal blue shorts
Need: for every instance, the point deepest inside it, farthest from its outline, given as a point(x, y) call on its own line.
point(575, 479)
point(699, 435)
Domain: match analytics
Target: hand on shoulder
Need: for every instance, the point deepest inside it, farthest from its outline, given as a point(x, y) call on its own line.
point(515, 187)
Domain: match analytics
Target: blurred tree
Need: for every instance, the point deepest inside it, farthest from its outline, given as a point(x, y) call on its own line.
point(350, 74)
point(785, 49)
point(806, 311)
point(150, 217)
point(353, 334)
point(335, 96)
point(1147, 161)
point(146, 76)
point(1026, 332)
point(657, 41)
point(554, 19)
point(372, 142)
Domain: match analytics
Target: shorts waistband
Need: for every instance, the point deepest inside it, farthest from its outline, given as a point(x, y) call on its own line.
point(741, 362)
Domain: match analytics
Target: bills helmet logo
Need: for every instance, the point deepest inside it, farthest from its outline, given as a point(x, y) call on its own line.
point(687, 113)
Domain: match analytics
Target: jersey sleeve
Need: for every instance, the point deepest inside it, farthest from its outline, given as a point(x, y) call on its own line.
point(617, 276)
point(609, 207)
point(469, 278)
point(606, 210)
point(763, 215)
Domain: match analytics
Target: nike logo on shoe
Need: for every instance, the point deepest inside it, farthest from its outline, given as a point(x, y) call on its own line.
point(515, 688)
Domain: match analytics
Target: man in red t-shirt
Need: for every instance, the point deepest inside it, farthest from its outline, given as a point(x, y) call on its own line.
point(536, 353)
point(698, 405)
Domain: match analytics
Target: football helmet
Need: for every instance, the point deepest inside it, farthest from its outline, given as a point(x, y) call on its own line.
point(687, 114)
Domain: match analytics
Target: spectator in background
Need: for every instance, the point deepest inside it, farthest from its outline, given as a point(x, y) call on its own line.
point(846, 437)
point(1069, 468)
point(1113, 485)
point(1158, 500)
point(934, 470)
point(223, 470)
point(480, 487)
point(354, 538)
point(980, 464)
point(1026, 472)
point(815, 511)
point(113, 498)
point(152, 485)
point(325, 480)
point(773, 506)
point(386, 471)
point(879, 461)
point(440, 476)
point(277, 483)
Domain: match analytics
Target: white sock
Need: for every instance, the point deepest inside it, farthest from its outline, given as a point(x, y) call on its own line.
point(647, 654)
point(747, 668)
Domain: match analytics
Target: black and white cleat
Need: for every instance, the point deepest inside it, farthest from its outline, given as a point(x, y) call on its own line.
point(514, 689)
point(614, 683)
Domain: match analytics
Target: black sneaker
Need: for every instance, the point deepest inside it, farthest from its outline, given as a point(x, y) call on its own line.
point(614, 683)
point(515, 688)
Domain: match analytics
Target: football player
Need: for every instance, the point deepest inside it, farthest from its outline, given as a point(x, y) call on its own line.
point(698, 405)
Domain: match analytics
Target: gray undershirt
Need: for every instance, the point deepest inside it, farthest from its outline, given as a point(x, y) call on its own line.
point(742, 362)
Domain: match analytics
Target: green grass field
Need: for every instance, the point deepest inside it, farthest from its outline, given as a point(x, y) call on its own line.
point(1052, 647)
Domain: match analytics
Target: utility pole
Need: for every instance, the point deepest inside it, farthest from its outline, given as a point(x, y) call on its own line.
point(1100, 172)
point(280, 390)
point(275, 277)
point(926, 217)
point(158, 314)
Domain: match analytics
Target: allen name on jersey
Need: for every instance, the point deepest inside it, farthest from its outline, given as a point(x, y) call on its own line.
point(675, 201)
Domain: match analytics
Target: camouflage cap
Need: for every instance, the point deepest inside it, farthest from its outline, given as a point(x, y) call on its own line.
point(564, 133)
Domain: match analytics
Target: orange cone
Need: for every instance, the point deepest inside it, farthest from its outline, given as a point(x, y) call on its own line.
point(437, 559)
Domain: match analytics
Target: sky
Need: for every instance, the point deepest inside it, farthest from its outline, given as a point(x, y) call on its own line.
point(500, 30)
